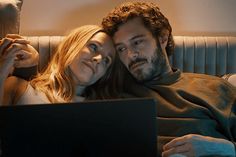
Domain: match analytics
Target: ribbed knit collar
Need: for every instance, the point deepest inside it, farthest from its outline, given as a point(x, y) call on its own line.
point(166, 79)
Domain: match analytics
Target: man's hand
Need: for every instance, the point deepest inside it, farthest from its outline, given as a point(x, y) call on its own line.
point(193, 145)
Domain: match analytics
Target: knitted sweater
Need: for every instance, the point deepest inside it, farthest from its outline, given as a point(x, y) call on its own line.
point(190, 103)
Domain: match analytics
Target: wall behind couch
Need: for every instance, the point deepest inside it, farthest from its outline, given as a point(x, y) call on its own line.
point(187, 17)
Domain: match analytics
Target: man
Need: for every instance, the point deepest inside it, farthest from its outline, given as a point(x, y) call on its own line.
point(196, 113)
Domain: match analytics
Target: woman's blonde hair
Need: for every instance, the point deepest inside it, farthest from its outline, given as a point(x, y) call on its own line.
point(56, 80)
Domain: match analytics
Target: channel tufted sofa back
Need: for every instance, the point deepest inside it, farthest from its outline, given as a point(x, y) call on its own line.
point(209, 55)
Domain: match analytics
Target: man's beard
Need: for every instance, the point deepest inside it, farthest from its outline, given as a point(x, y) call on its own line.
point(154, 71)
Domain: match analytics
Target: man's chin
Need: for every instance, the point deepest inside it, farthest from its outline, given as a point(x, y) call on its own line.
point(139, 76)
point(142, 75)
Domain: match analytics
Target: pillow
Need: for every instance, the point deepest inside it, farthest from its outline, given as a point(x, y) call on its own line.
point(10, 17)
point(231, 78)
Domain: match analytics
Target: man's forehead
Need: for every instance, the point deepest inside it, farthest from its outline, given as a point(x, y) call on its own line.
point(130, 29)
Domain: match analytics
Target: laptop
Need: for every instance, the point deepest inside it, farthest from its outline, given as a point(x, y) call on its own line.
point(104, 128)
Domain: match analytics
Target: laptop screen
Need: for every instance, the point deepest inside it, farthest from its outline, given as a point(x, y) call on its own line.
point(108, 128)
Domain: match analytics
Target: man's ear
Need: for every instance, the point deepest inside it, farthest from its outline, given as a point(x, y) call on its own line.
point(163, 38)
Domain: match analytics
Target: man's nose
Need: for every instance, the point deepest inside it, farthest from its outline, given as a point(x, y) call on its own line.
point(97, 58)
point(132, 54)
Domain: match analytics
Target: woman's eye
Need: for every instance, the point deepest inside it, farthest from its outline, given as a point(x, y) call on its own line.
point(93, 47)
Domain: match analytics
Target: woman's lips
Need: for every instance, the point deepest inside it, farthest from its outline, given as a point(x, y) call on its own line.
point(90, 66)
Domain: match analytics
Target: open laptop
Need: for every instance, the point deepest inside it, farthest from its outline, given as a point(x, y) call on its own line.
point(111, 128)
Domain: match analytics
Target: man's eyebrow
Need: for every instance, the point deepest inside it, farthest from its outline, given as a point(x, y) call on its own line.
point(137, 36)
point(133, 38)
point(118, 44)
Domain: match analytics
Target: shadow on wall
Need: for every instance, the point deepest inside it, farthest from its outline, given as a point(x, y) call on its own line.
point(87, 14)
point(56, 17)
point(92, 13)
point(51, 21)
point(203, 17)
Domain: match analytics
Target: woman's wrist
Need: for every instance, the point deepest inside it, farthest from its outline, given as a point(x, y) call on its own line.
point(26, 73)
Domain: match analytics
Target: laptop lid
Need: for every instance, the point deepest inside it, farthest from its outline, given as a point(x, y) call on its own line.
point(106, 128)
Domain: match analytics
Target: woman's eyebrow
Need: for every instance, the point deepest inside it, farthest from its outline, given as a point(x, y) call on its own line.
point(97, 42)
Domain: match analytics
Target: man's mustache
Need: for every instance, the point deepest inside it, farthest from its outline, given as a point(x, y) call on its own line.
point(136, 61)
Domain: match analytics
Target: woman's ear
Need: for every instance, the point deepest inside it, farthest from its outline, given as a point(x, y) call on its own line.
point(163, 38)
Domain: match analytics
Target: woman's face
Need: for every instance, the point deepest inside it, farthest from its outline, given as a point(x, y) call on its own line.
point(93, 60)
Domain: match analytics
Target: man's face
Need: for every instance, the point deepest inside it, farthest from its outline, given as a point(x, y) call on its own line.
point(138, 50)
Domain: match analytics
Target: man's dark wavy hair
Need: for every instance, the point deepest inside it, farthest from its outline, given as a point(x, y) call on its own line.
point(150, 14)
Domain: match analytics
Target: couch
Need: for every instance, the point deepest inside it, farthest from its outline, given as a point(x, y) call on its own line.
point(198, 54)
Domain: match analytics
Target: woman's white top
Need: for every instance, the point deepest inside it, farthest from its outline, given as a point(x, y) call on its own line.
point(32, 96)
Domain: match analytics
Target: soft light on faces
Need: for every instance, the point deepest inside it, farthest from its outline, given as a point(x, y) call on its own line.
point(93, 60)
point(138, 50)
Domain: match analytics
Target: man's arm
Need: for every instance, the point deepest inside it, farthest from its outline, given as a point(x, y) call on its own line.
point(198, 145)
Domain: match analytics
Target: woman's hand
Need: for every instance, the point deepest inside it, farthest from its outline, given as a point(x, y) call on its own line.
point(193, 145)
point(7, 57)
point(27, 56)
point(15, 52)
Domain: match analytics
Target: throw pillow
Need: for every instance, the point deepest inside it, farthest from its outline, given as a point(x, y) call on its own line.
point(10, 17)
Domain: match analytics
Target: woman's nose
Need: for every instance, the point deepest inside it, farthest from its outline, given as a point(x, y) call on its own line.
point(97, 58)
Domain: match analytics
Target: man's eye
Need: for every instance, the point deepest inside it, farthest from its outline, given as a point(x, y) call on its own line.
point(138, 42)
point(120, 49)
point(93, 47)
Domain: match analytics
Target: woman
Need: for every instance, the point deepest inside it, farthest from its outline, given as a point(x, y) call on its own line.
point(83, 58)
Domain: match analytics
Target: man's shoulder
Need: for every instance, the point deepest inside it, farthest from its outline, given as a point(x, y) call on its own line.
point(200, 76)
point(207, 80)
point(203, 77)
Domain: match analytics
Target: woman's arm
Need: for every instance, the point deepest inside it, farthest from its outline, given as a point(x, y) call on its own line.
point(12, 89)
point(14, 52)
point(7, 56)
point(30, 69)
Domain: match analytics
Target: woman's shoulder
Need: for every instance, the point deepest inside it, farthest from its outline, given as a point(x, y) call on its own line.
point(14, 82)
point(14, 87)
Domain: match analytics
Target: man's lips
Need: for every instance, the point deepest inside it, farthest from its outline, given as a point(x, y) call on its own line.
point(136, 64)
point(90, 66)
